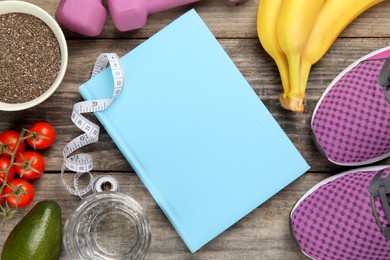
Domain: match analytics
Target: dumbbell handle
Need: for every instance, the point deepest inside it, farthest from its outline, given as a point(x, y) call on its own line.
point(154, 6)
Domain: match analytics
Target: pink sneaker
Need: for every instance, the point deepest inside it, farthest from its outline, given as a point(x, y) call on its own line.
point(351, 122)
point(346, 216)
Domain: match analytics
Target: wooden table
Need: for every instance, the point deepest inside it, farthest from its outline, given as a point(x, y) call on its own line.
point(264, 233)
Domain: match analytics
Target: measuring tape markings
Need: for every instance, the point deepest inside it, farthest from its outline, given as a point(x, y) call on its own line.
point(83, 163)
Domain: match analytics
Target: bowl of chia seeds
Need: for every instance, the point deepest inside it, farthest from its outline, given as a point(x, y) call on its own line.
point(33, 55)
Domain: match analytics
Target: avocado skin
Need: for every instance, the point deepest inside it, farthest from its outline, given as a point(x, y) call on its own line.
point(37, 236)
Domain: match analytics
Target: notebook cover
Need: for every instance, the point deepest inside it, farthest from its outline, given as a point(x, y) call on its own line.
point(195, 132)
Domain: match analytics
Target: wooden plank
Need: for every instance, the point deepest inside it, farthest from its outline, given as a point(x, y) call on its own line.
point(262, 234)
point(228, 21)
point(257, 67)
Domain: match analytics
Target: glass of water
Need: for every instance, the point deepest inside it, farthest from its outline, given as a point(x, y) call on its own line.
point(107, 226)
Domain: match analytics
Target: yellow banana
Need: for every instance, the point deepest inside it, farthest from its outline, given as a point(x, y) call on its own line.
point(294, 24)
point(267, 14)
point(334, 16)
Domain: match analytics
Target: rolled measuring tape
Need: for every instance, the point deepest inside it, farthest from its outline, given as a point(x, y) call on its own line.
point(82, 163)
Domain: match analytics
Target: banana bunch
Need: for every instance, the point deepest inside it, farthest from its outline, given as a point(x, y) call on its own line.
point(298, 33)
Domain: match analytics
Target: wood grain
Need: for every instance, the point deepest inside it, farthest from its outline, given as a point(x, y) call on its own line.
point(264, 233)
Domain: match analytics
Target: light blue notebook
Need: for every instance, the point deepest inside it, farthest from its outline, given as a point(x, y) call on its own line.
point(195, 132)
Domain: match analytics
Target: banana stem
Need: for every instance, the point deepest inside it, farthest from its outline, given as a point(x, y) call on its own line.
point(284, 76)
point(304, 74)
point(294, 99)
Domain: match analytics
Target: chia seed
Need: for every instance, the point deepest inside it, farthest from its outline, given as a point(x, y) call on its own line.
point(30, 57)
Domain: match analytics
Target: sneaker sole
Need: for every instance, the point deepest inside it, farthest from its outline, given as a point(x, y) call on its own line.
point(366, 57)
point(323, 182)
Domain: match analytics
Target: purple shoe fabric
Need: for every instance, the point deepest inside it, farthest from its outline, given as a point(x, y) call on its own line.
point(351, 122)
point(344, 216)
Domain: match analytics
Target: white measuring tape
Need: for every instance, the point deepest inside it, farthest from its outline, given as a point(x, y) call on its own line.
point(82, 163)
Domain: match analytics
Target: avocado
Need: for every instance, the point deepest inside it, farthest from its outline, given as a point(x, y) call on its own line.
point(37, 236)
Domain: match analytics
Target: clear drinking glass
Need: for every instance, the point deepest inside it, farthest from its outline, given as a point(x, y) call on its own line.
point(107, 226)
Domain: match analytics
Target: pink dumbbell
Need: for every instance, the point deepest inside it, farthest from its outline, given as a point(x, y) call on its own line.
point(86, 17)
point(132, 14)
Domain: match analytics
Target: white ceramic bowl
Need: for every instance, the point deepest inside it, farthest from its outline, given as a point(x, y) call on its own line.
point(24, 7)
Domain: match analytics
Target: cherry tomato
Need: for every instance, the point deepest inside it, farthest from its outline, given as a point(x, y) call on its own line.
point(8, 141)
point(29, 165)
point(21, 188)
point(4, 164)
point(42, 135)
